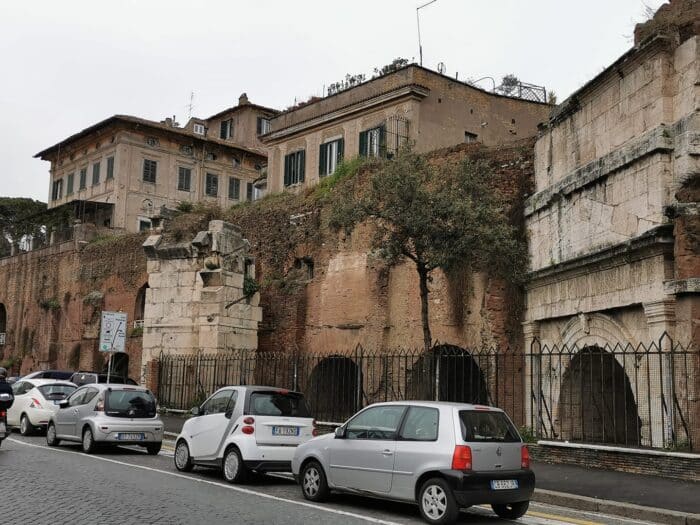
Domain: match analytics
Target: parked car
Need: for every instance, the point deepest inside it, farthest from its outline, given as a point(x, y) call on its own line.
point(86, 378)
point(50, 374)
point(442, 456)
point(35, 402)
point(245, 428)
point(107, 414)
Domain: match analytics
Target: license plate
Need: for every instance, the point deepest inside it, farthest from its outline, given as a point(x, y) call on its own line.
point(504, 484)
point(285, 431)
point(130, 436)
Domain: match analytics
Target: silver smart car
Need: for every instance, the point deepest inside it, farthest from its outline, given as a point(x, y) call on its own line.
point(107, 414)
point(442, 456)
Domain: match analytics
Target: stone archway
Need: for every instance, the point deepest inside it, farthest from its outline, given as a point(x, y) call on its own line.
point(596, 401)
point(455, 373)
point(332, 391)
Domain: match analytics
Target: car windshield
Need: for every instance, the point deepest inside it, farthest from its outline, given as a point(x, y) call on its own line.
point(289, 404)
point(56, 392)
point(485, 426)
point(130, 403)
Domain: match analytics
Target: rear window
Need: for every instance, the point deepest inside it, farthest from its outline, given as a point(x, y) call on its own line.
point(487, 426)
point(130, 403)
point(278, 404)
point(83, 379)
point(56, 392)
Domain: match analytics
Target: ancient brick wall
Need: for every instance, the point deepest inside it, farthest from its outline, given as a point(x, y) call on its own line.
point(53, 298)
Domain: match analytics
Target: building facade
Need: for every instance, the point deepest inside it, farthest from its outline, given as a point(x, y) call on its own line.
point(412, 105)
point(124, 169)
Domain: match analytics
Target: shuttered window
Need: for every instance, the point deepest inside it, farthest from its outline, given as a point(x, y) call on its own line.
point(263, 125)
point(57, 190)
point(249, 191)
point(149, 170)
point(234, 188)
point(184, 178)
point(110, 168)
point(226, 131)
point(211, 187)
point(69, 184)
point(294, 167)
point(329, 156)
point(96, 174)
point(83, 179)
point(373, 142)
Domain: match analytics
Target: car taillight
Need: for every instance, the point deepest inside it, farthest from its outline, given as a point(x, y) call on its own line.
point(524, 457)
point(462, 458)
point(3, 413)
point(249, 420)
point(314, 430)
point(248, 430)
point(35, 403)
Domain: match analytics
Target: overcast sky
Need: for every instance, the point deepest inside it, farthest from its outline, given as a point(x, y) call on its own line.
point(67, 64)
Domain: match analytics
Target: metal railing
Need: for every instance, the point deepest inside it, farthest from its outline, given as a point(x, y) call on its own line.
point(629, 395)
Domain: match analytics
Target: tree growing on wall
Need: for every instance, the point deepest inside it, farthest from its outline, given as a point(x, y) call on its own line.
point(436, 217)
point(19, 217)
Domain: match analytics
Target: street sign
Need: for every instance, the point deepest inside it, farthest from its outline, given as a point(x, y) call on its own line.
point(113, 332)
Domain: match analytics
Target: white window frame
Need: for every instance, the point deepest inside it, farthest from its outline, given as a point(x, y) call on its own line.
point(199, 129)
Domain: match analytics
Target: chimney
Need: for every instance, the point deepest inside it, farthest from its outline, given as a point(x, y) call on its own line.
point(243, 100)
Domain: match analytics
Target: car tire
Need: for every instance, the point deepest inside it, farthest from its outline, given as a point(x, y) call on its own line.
point(233, 468)
point(182, 459)
point(511, 511)
point(88, 441)
point(437, 503)
point(314, 485)
point(51, 439)
point(25, 426)
point(153, 448)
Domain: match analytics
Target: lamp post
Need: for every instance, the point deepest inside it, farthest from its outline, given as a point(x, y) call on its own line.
point(420, 46)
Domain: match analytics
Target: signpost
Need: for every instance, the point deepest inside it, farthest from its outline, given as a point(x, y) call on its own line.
point(112, 335)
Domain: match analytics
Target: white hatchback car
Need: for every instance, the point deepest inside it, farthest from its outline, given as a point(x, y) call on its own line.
point(36, 400)
point(244, 428)
point(442, 456)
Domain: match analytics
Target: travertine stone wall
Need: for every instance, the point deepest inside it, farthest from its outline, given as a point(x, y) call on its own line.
point(195, 301)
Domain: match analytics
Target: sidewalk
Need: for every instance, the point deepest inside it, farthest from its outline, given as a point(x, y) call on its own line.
point(622, 487)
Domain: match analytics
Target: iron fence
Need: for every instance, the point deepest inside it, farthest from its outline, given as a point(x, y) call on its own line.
point(629, 395)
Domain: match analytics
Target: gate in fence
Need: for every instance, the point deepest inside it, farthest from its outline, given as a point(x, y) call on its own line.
point(639, 396)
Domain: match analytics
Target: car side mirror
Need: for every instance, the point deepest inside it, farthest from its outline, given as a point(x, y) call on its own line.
point(63, 403)
point(194, 411)
point(228, 413)
point(339, 433)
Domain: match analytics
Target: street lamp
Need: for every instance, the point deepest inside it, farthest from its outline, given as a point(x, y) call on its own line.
point(420, 46)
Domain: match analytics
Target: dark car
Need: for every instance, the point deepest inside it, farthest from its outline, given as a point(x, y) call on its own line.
point(86, 378)
point(50, 374)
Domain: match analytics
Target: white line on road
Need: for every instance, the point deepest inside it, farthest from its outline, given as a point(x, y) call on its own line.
point(222, 485)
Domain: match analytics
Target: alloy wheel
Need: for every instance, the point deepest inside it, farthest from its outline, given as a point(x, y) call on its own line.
point(182, 455)
point(312, 481)
point(51, 434)
point(231, 465)
point(24, 426)
point(434, 502)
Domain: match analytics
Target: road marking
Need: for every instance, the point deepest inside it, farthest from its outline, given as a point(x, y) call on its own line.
point(208, 482)
point(565, 519)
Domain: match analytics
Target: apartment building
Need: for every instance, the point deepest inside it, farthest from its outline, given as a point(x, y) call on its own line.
point(120, 172)
point(412, 105)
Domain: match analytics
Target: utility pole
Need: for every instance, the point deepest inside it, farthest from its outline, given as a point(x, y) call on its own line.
point(420, 45)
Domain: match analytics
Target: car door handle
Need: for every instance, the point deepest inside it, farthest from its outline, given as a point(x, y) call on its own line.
point(75, 411)
point(387, 453)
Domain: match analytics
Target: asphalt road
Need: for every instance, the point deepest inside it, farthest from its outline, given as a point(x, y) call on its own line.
point(125, 486)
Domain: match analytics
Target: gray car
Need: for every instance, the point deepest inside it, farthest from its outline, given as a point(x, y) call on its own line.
point(442, 456)
point(107, 414)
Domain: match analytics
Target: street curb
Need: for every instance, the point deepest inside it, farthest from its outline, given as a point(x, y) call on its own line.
point(616, 508)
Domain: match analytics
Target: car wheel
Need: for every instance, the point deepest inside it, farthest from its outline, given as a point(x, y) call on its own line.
point(313, 482)
point(511, 511)
point(51, 439)
point(182, 458)
point(437, 503)
point(234, 469)
point(88, 441)
point(154, 448)
point(25, 426)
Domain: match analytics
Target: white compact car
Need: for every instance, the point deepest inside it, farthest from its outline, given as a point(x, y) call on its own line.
point(36, 400)
point(244, 428)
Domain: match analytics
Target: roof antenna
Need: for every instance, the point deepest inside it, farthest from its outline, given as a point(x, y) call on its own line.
point(190, 106)
point(420, 46)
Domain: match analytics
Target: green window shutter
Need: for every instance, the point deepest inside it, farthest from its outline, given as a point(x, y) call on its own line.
point(382, 140)
point(110, 167)
point(286, 170)
point(363, 143)
point(302, 165)
point(322, 153)
point(341, 150)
